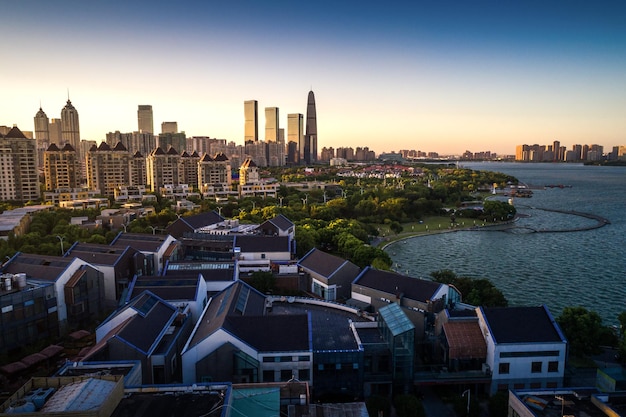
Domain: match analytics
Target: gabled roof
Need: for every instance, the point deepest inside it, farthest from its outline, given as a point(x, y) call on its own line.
point(120, 147)
point(393, 283)
point(168, 288)
point(238, 299)
point(15, 133)
point(248, 163)
point(147, 326)
point(184, 154)
point(157, 151)
point(172, 151)
point(104, 147)
point(137, 154)
point(220, 157)
point(256, 243)
point(322, 263)
point(53, 148)
point(522, 325)
point(68, 148)
point(96, 253)
point(38, 267)
point(189, 224)
point(195, 154)
point(206, 158)
point(140, 241)
point(281, 221)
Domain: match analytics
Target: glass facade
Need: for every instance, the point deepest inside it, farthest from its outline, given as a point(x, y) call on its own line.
point(399, 333)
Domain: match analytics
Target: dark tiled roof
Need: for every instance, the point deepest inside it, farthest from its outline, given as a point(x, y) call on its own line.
point(321, 262)
point(195, 154)
point(254, 243)
point(39, 267)
point(93, 148)
point(248, 163)
point(144, 330)
point(282, 222)
point(137, 154)
point(272, 333)
point(189, 224)
point(168, 288)
point(239, 299)
point(393, 283)
point(68, 148)
point(139, 241)
point(53, 148)
point(220, 157)
point(172, 151)
point(206, 158)
point(104, 147)
point(157, 151)
point(15, 133)
point(120, 147)
point(521, 324)
point(97, 253)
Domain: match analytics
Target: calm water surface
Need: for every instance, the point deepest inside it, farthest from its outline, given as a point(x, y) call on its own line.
point(584, 268)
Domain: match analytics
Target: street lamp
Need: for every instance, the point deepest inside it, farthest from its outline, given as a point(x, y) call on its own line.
point(153, 229)
point(61, 240)
point(468, 392)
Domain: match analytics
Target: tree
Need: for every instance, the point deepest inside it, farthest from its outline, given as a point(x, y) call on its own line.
point(475, 291)
point(263, 281)
point(582, 328)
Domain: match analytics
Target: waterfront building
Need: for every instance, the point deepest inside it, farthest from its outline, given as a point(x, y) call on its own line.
point(145, 121)
point(525, 347)
point(251, 126)
point(19, 174)
point(61, 168)
point(108, 168)
point(331, 275)
point(308, 150)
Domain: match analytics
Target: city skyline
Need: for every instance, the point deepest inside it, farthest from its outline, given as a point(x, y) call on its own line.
point(420, 76)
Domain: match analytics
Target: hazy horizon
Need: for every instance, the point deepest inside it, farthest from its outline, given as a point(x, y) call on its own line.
point(442, 77)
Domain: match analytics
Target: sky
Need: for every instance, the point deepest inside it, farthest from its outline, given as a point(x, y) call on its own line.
point(436, 76)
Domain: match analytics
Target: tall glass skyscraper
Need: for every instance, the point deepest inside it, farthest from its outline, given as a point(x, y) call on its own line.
point(308, 152)
point(70, 130)
point(251, 127)
point(271, 124)
point(295, 137)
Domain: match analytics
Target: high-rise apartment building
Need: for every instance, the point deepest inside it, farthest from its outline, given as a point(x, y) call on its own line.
point(308, 152)
point(214, 171)
point(295, 136)
point(162, 168)
point(70, 129)
point(108, 168)
point(61, 167)
point(138, 173)
point(19, 179)
point(145, 121)
point(188, 169)
point(251, 126)
point(41, 134)
point(143, 143)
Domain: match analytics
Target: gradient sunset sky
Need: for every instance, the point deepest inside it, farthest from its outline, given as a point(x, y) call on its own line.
point(444, 76)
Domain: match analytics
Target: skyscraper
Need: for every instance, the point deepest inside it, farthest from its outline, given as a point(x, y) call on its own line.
point(295, 137)
point(169, 127)
point(251, 127)
point(271, 124)
point(19, 176)
point(145, 122)
point(70, 130)
point(309, 153)
point(61, 168)
point(42, 134)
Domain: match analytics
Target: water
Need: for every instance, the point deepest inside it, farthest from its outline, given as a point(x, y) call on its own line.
point(583, 268)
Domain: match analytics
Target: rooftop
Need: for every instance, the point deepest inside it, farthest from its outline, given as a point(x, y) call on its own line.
point(393, 283)
point(522, 324)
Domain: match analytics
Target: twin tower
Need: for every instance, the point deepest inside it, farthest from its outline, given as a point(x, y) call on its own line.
point(301, 145)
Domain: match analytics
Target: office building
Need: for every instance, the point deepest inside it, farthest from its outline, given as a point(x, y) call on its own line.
point(41, 134)
point(308, 150)
point(295, 124)
point(61, 167)
point(19, 180)
point(108, 168)
point(251, 127)
point(168, 140)
point(271, 124)
point(145, 121)
point(54, 132)
point(169, 127)
point(70, 129)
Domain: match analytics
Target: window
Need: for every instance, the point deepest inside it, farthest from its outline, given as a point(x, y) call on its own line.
point(286, 374)
point(268, 376)
point(503, 368)
point(303, 374)
point(536, 367)
point(553, 366)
